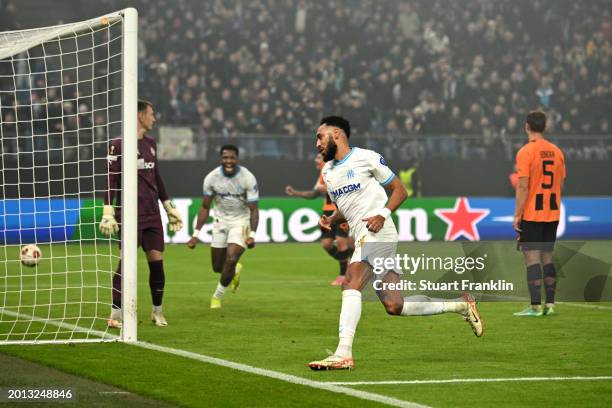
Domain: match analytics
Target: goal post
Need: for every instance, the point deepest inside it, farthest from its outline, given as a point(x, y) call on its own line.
point(66, 92)
point(129, 179)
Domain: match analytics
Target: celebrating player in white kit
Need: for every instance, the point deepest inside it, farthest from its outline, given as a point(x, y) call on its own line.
point(236, 216)
point(356, 180)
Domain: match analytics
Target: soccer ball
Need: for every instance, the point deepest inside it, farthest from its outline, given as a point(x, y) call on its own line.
point(30, 255)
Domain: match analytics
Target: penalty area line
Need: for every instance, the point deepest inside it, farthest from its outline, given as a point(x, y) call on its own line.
point(471, 380)
point(293, 379)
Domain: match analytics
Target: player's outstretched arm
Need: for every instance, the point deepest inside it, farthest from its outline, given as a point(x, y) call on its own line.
point(309, 194)
point(254, 222)
point(202, 217)
point(398, 196)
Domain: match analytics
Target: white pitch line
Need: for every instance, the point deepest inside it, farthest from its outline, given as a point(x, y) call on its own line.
point(115, 392)
point(394, 402)
point(588, 306)
point(64, 325)
point(471, 380)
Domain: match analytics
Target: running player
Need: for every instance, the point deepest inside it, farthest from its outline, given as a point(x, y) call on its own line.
point(150, 231)
point(342, 248)
point(541, 172)
point(234, 189)
point(356, 180)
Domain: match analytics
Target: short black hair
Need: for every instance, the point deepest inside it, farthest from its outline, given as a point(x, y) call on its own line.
point(142, 105)
point(536, 121)
point(339, 122)
point(228, 147)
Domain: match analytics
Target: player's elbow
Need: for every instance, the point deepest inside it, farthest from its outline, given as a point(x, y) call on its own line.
point(400, 190)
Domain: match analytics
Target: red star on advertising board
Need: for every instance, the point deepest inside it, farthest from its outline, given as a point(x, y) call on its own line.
point(461, 220)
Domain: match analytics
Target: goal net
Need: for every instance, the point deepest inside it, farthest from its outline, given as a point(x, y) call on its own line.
point(65, 92)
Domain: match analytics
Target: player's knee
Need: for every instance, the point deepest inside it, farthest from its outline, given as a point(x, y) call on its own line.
point(328, 246)
point(217, 268)
point(393, 307)
point(350, 283)
point(231, 259)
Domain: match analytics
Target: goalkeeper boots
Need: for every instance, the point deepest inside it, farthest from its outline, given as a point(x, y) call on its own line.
point(114, 321)
point(158, 319)
point(113, 324)
point(332, 362)
point(236, 280)
point(530, 311)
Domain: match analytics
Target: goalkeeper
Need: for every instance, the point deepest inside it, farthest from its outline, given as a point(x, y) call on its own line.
point(150, 231)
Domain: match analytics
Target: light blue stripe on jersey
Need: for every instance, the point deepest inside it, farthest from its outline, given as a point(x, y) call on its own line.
point(337, 163)
point(387, 181)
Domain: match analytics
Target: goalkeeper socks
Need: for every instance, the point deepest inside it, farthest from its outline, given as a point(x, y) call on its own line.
point(550, 283)
point(157, 281)
point(534, 282)
point(157, 309)
point(343, 266)
point(350, 313)
point(220, 291)
point(343, 255)
point(420, 305)
point(117, 288)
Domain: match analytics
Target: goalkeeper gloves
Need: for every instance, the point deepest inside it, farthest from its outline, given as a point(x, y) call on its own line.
point(108, 225)
point(174, 217)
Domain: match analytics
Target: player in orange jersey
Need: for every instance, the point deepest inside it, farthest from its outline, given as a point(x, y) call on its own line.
point(541, 171)
point(337, 242)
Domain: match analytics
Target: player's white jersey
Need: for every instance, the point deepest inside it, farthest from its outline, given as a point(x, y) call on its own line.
point(231, 194)
point(355, 184)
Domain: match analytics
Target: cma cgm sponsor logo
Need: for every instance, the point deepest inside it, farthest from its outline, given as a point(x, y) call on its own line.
point(349, 188)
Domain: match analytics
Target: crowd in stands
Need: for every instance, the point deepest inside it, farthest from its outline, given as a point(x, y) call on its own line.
point(437, 67)
point(424, 67)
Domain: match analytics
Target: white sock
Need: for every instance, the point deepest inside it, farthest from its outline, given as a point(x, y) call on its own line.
point(157, 309)
point(420, 305)
point(458, 305)
point(349, 318)
point(115, 314)
point(220, 291)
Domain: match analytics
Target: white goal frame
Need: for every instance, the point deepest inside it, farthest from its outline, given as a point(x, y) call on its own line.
point(16, 42)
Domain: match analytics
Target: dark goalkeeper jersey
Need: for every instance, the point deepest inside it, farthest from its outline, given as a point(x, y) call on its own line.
point(150, 185)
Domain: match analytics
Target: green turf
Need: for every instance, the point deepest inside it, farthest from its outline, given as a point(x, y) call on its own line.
point(286, 314)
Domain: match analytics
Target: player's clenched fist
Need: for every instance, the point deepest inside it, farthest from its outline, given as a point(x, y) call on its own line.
point(325, 223)
point(193, 241)
point(375, 223)
point(108, 224)
point(174, 217)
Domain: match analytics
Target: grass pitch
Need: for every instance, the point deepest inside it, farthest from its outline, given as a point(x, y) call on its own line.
point(286, 314)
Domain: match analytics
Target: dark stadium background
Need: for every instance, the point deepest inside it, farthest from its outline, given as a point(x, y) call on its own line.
point(439, 86)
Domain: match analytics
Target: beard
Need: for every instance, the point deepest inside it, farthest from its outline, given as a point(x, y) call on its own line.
point(330, 151)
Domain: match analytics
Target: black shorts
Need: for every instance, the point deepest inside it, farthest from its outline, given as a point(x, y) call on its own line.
point(536, 235)
point(338, 230)
point(150, 237)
